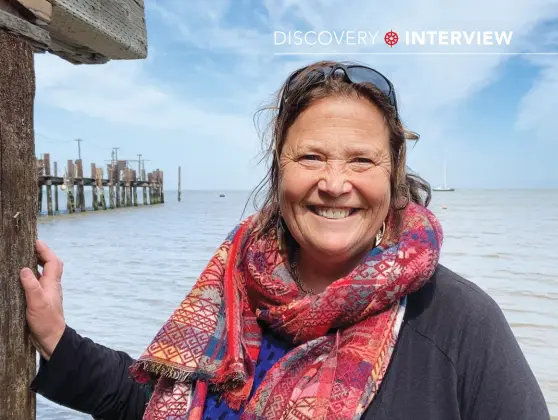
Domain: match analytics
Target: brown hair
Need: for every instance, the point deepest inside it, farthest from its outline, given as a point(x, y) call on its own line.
point(405, 186)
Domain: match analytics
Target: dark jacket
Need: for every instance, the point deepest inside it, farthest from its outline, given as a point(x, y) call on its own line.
point(456, 358)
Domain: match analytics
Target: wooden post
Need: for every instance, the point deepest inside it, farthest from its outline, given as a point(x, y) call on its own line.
point(70, 206)
point(110, 171)
point(94, 187)
point(128, 187)
point(56, 188)
point(81, 192)
point(161, 189)
point(144, 179)
point(150, 183)
point(18, 210)
point(46, 161)
point(179, 186)
point(135, 183)
point(117, 184)
point(40, 172)
point(101, 188)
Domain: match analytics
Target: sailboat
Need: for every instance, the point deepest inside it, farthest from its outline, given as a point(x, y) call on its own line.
point(445, 187)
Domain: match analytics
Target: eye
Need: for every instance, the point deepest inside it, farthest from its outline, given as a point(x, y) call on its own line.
point(310, 157)
point(362, 160)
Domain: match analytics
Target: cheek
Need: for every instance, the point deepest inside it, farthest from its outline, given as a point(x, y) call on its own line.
point(294, 185)
point(375, 189)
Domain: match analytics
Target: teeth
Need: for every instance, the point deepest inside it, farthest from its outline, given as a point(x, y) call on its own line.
point(330, 213)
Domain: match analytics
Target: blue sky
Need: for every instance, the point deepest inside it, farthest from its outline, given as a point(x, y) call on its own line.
point(212, 64)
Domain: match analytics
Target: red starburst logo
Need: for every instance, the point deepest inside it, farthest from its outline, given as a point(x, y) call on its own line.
point(391, 38)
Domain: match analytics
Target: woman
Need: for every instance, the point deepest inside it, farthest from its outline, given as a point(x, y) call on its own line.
point(329, 303)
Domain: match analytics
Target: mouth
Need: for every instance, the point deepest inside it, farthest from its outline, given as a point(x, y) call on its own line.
point(333, 212)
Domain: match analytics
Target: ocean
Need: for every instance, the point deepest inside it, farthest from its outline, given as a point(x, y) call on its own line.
point(126, 270)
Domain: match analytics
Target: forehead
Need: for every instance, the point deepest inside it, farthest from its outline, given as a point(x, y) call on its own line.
point(349, 121)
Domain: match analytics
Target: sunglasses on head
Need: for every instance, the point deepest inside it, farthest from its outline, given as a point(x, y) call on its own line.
point(352, 74)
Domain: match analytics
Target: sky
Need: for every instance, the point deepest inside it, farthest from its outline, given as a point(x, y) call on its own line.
point(492, 117)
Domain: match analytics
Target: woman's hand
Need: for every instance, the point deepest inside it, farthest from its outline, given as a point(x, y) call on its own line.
point(45, 315)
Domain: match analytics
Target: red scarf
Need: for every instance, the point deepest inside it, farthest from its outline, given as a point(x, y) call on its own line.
point(213, 338)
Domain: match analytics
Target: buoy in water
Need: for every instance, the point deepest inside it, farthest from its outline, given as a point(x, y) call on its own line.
point(444, 206)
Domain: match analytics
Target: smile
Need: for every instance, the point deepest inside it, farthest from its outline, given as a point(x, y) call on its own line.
point(333, 212)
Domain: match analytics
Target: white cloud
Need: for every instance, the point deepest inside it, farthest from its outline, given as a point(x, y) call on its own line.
point(538, 108)
point(122, 92)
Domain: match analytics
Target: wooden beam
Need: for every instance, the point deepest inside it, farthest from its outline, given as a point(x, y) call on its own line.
point(18, 227)
point(85, 30)
point(37, 37)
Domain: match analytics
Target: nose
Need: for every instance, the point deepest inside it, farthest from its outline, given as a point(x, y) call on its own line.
point(335, 182)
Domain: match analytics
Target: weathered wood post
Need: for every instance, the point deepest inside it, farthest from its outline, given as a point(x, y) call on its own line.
point(48, 183)
point(70, 206)
point(179, 186)
point(150, 186)
point(144, 180)
point(40, 173)
point(79, 32)
point(161, 190)
point(18, 210)
point(135, 186)
point(110, 173)
point(56, 188)
point(95, 201)
point(80, 188)
point(116, 178)
point(128, 187)
point(101, 188)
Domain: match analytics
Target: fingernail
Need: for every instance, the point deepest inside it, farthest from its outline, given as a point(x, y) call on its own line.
point(26, 272)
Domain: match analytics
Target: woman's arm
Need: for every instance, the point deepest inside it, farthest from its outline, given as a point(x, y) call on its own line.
point(91, 378)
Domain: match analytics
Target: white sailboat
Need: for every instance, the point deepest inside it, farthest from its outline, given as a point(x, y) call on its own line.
point(445, 187)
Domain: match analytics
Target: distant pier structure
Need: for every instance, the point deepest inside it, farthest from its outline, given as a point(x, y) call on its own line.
point(119, 188)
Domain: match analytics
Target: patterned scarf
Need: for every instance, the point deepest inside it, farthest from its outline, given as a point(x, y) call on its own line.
point(344, 336)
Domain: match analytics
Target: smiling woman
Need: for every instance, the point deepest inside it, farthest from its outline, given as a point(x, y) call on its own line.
point(328, 303)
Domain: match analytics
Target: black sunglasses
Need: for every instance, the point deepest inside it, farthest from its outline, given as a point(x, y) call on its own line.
point(352, 73)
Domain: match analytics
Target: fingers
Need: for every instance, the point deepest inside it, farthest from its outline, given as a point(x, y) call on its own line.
point(32, 287)
point(52, 265)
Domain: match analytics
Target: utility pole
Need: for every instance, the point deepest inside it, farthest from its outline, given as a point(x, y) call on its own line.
point(79, 148)
point(115, 150)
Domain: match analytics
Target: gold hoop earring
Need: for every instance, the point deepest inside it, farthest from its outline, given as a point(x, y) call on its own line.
point(380, 235)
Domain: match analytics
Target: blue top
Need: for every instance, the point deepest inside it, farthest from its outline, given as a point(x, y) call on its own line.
point(273, 348)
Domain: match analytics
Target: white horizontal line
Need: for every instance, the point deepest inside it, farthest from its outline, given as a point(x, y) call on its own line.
point(416, 53)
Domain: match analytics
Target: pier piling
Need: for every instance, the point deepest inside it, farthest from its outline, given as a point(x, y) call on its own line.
point(18, 211)
point(56, 188)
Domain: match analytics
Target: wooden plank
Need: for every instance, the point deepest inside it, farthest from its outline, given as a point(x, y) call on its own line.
point(18, 225)
point(113, 29)
point(37, 37)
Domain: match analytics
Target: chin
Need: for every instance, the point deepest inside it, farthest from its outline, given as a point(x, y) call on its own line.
point(336, 248)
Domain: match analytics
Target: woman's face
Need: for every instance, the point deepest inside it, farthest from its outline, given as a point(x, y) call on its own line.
point(334, 187)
